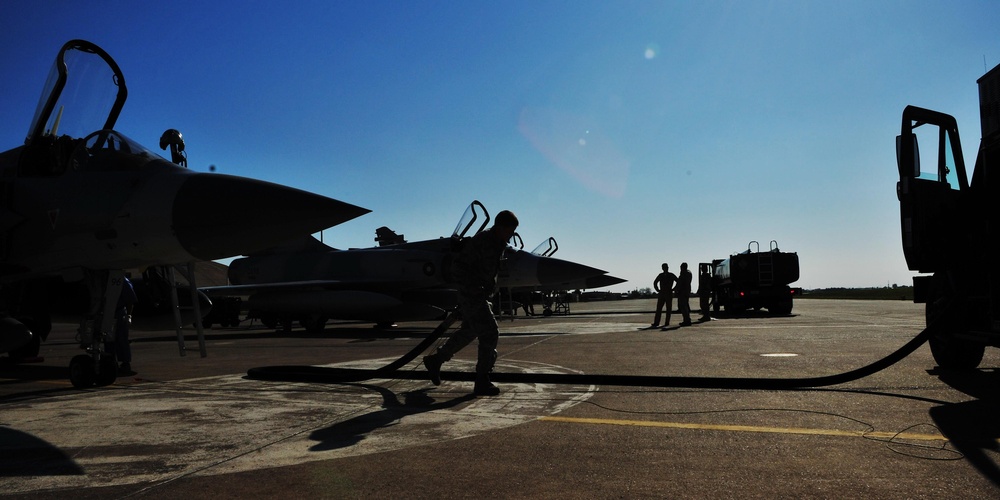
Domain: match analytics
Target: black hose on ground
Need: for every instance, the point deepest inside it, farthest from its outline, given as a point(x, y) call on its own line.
point(340, 375)
point(295, 373)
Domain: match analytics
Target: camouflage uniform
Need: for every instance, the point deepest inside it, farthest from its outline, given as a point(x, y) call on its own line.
point(475, 271)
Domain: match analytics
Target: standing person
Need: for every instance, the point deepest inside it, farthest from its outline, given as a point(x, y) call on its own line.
point(664, 286)
point(704, 290)
point(475, 270)
point(123, 319)
point(684, 294)
point(526, 303)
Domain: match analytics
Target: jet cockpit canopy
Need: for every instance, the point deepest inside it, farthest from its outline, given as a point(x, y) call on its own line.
point(72, 127)
point(546, 248)
point(85, 91)
point(475, 212)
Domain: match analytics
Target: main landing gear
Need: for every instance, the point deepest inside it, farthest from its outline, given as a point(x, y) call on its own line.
point(97, 367)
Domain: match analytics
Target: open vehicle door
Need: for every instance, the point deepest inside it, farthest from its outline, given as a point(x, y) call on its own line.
point(933, 190)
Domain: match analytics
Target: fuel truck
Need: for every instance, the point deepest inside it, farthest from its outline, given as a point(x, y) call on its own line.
point(755, 280)
point(949, 224)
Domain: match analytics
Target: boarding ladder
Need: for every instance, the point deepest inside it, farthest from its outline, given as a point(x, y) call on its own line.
point(765, 265)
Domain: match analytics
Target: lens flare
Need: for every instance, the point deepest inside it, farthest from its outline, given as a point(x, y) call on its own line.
point(592, 158)
point(652, 50)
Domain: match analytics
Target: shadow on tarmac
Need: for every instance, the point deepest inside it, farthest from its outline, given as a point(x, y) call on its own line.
point(19, 373)
point(972, 427)
point(750, 313)
point(354, 430)
point(360, 333)
point(27, 455)
point(31, 371)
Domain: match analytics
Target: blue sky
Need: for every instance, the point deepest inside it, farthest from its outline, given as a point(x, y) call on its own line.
point(634, 133)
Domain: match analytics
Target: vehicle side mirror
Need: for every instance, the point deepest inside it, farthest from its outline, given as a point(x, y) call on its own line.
point(907, 155)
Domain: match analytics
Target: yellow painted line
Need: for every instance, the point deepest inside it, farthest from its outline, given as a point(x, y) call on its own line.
point(750, 428)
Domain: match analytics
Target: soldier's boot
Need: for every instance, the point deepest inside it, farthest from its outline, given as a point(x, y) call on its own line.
point(433, 364)
point(484, 387)
point(487, 358)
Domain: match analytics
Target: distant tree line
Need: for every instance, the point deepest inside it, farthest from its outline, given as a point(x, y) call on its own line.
point(890, 292)
point(893, 292)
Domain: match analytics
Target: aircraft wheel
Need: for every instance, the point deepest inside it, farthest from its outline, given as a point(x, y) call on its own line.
point(314, 324)
point(107, 371)
point(81, 371)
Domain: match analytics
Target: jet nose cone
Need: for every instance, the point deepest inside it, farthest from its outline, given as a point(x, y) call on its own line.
point(554, 271)
point(601, 281)
point(217, 216)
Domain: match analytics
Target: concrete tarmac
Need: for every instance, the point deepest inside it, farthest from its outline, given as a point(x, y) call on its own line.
point(193, 427)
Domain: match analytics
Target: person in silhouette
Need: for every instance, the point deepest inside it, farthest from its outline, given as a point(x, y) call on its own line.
point(664, 286)
point(121, 347)
point(475, 270)
point(684, 294)
point(527, 303)
point(704, 290)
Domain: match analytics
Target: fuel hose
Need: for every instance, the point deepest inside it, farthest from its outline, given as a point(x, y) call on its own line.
point(333, 375)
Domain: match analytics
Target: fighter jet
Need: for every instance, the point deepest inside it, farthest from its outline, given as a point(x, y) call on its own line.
point(552, 288)
point(395, 281)
point(80, 203)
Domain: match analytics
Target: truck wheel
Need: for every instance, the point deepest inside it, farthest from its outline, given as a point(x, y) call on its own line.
point(950, 351)
point(956, 354)
point(783, 308)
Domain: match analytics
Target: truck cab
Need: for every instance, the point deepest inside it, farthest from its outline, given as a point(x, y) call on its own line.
point(948, 222)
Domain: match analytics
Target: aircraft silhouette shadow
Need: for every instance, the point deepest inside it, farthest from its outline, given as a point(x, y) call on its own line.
point(972, 427)
point(361, 333)
point(27, 455)
point(32, 371)
point(352, 431)
point(17, 373)
point(750, 313)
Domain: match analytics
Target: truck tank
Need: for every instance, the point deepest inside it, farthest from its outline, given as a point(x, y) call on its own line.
point(755, 280)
